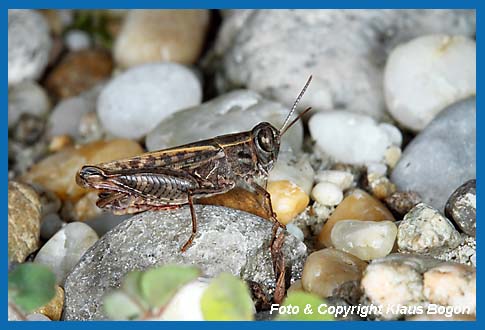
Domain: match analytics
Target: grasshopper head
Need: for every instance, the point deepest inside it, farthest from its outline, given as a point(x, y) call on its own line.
point(267, 141)
point(90, 177)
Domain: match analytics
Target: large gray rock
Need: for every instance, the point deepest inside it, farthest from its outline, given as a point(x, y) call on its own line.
point(227, 241)
point(442, 157)
point(274, 51)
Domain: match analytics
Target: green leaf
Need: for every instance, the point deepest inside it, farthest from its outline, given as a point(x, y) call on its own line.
point(227, 299)
point(159, 285)
point(119, 306)
point(305, 302)
point(31, 286)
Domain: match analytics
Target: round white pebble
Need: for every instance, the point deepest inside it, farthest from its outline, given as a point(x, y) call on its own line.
point(340, 178)
point(349, 137)
point(77, 40)
point(134, 102)
point(26, 97)
point(425, 75)
point(327, 193)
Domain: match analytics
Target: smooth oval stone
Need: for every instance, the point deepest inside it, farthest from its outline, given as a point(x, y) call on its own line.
point(462, 207)
point(426, 74)
point(327, 194)
point(425, 230)
point(161, 35)
point(327, 269)
point(358, 205)
point(227, 240)
point(63, 251)
point(441, 157)
point(134, 102)
point(288, 200)
point(233, 112)
point(57, 172)
point(349, 137)
point(26, 97)
point(29, 45)
point(24, 212)
point(67, 114)
point(366, 240)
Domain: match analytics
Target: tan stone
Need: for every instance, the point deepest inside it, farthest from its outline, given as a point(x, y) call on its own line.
point(288, 200)
point(161, 35)
point(327, 269)
point(53, 309)
point(358, 205)
point(24, 212)
point(85, 208)
point(60, 142)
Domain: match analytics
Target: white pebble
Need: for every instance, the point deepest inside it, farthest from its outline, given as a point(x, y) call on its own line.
point(29, 44)
point(342, 179)
point(393, 133)
point(295, 231)
point(327, 193)
point(364, 239)
point(134, 102)
point(63, 251)
point(26, 97)
point(425, 75)
point(377, 168)
point(349, 137)
point(67, 114)
point(77, 40)
point(185, 305)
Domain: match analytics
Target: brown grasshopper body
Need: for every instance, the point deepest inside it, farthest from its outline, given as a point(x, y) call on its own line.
point(177, 176)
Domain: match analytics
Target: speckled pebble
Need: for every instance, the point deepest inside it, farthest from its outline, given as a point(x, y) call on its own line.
point(461, 207)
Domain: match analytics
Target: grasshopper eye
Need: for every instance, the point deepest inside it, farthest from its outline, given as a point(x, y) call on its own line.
point(265, 140)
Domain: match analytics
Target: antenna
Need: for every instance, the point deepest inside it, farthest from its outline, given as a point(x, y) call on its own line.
point(293, 108)
point(295, 120)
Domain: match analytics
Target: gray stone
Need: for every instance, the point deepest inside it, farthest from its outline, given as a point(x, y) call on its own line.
point(50, 225)
point(29, 45)
point(63, 251)
point(441, 157)
point(233, 112)
point(227, 241)
point(274, 51)
point(465, 253)
point(425, 230)
point(462, 208)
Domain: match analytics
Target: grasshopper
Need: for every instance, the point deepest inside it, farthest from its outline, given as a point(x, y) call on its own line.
point(171, 178)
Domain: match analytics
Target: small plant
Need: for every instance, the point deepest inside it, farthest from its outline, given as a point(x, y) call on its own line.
point(30, 286)
point(144, 295)
point(309, 306)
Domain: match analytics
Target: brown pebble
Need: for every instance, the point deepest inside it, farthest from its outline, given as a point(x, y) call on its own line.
point(60, 142)
point(326, 270)
point(402, 202)
point(79, 71)
point(358, 205)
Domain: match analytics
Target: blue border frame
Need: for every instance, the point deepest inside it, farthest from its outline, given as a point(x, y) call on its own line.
point(86, 4)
